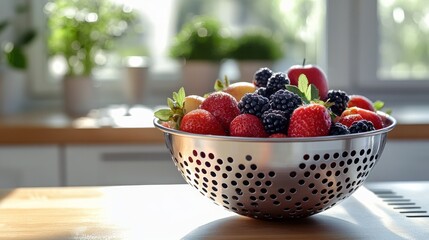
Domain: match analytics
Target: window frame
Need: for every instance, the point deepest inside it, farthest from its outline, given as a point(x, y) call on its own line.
point(367, 52)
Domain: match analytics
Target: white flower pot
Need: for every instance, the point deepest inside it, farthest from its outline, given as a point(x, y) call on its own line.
point(248, 68)
point(78, 95)
point(198, 77)
point(135, 84)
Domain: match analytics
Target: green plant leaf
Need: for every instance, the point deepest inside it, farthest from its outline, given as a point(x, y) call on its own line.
point(378, 105)
point(164, 114)
point(170, 103)
point(218, 86)
point(314, 92)
point(25, 38)
point(302, 83)
point(180, 97)
point(221, 85)
point(16, 58)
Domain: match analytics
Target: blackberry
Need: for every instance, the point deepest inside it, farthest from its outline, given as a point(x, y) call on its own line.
point(339, 99)
point(261, 77)
point(285, 101)
point(253, 103)
point(361, 126)
point(277, 81)
point(274, 121)
point(338, 129)
point(263, 91)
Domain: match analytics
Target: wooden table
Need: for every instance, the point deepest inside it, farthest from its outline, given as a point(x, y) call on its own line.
point(180, 212)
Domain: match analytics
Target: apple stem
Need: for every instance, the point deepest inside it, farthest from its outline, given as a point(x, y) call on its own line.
point(303, 62)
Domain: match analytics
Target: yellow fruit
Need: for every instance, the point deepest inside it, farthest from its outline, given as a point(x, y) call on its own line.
point(238, 89)
point(192, 102)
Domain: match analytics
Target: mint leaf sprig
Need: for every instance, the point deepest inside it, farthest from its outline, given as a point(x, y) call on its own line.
point(307, 92)
point(174, 113)
point(379, 106)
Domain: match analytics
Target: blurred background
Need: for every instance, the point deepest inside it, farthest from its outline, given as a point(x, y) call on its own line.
point(107, 64)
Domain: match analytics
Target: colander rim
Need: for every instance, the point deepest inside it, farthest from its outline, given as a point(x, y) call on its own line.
point(388, 120)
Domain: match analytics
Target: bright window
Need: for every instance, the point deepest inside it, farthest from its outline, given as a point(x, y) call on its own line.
point(362, 44)
point(404, 30)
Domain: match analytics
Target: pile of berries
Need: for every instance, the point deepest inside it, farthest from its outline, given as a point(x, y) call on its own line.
point(275, 105)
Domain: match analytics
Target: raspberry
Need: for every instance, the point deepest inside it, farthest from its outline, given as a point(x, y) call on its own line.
point(254, 104)
point(285, 101)
point(261, 77)
point(274, 121)
point(277, 81)
point(338, 129)
point(339, 99)
point(361, 126)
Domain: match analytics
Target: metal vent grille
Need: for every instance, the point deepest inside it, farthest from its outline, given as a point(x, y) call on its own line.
point(401, 204)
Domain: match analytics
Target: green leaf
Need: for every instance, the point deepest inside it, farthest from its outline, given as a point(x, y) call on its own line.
point(221, 85)
point(25, 38)
point(181, 97)
point(298, 92)
point(16, 58)
point(170, 103)
point(226, 81)
point(163, 114)
point(218, 85)
point(302, 83)
point(314, 92)
point(378, 105)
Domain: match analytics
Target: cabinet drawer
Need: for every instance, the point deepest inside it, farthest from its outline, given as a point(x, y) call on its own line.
point(119, 165)
point(29, 166)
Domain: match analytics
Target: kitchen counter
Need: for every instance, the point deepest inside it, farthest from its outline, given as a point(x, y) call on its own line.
point(180, 212)
point(117, 126)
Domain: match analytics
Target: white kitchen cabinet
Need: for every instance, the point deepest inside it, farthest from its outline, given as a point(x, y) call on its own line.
point(97, 165)
point(29, 166)
point(402, 161)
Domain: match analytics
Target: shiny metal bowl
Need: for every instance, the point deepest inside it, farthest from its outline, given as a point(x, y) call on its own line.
point(276, 178)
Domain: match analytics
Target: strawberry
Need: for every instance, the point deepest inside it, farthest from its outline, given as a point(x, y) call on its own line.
point(202, 122)
point(310, 120)
point(360, 101)
point(365, 114)
point(223, 106)
point(348, 120)
point(247, 125)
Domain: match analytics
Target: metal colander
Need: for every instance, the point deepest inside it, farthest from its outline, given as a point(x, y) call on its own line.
point(276, 178)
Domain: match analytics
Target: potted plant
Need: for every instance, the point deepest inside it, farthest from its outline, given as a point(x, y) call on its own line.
point(13, 62)
point(254, 49)
point(202, 46)
point(81, 31)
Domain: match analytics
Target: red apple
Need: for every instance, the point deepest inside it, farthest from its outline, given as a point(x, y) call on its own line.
point(315, 76)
